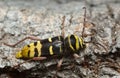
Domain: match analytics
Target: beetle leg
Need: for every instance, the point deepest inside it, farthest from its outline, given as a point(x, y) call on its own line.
point(35, 58)
point(39, 58)
point(29, 37)
point(76, 55)
point(59, 64)
point(84, 22)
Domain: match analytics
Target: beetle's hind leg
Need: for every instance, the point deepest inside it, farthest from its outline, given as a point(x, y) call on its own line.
point(32, 59)
point(29, 37)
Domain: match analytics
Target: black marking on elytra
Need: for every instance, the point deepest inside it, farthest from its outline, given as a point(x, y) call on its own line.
point(36, 52)
point(46, 41)
point(45, 49)
point(28, 45)
point(35, 43)
point(56, 50)
point(56, 43)
point(29, 53)
point(55, 38)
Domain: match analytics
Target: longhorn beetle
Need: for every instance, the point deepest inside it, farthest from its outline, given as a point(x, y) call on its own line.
point(56, 46)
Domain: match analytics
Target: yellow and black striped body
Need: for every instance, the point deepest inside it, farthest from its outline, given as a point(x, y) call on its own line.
point(46, 47)
point(73, 44)
point(52, 46)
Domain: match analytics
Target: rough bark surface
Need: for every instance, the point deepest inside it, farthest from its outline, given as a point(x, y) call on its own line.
point(43, 18)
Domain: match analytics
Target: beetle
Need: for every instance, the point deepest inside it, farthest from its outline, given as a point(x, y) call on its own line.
point(55, 46)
